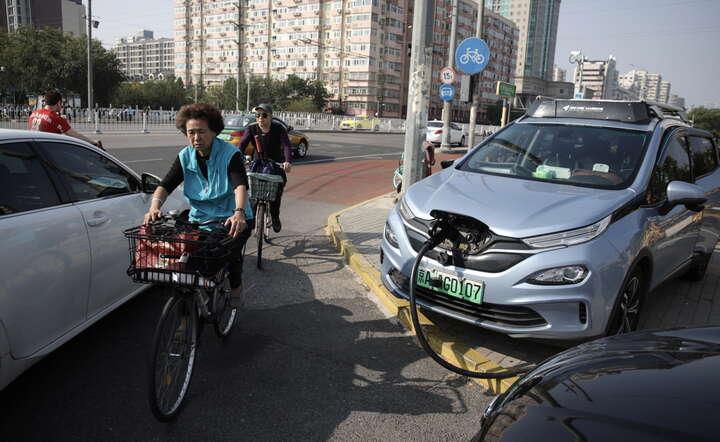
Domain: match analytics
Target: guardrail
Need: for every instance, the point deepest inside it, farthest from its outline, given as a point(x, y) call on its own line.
point(138, 120)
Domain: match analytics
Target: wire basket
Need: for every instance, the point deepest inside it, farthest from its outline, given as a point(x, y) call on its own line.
point(264, 186)
point(175, 255)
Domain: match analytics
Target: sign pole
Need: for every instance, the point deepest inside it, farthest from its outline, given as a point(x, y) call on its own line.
point(447, 108)
point(478, 83)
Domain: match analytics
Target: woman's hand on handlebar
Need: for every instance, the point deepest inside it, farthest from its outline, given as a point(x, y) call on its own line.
point(152, 215)
point(237, 224)
point(287, 166)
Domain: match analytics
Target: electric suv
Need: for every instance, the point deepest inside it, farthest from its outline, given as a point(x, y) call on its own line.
point(569, 217)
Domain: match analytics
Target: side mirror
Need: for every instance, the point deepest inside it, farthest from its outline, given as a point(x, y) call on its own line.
point(446, 163)
point(690, 195)
point(149, 182)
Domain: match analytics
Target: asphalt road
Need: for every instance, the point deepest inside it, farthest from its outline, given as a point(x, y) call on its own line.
point(314, 358)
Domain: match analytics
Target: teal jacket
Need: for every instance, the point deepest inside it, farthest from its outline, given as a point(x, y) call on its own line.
point(211, 198)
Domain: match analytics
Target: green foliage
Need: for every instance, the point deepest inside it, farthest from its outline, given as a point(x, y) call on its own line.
point(706, 118)
point(301, 105)
point(36, 59)
point(168, 93)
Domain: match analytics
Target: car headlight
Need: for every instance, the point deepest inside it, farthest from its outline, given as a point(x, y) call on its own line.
point(559, 275)
point(569, 237)
point(390, 236)
point(405, 210)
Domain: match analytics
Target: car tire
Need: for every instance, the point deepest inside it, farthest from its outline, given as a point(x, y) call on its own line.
point(462, 141)
point(698, 269)
point(376, 128)
point(301, 149)
point(628, 304)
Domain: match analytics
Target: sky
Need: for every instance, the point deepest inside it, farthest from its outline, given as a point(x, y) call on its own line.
point(678, 38)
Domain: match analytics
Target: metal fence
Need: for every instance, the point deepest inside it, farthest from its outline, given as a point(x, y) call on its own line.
point(146, 121)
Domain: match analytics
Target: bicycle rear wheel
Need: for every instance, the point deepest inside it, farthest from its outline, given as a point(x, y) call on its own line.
point(260, 231)
point(224, 314)
point(173, 357)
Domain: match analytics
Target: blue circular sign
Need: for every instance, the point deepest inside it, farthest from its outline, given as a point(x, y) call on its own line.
point(472, 55)
point(447, 92)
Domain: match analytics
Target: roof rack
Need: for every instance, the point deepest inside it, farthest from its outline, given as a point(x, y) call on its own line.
point(615, 110)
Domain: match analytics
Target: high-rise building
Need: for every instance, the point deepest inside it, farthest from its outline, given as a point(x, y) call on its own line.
point(143, 57)
point(67, 15)
point(559, 74)
point(647, 86)
point(598, 79)
point(358, 48)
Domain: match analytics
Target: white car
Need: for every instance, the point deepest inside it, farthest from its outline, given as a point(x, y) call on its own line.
point(435, 129)
point(63, 207)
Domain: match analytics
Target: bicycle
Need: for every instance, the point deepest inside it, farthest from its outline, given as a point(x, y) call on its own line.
point(193, 265)
point(264, 188)
point(427, 162)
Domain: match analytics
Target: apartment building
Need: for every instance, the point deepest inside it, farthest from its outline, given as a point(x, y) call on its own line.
point(144, 57)
point(598, 79)
point(358, 48)
point(559, 74)
point(68, 15)
point(677, 100)
point(647, 86)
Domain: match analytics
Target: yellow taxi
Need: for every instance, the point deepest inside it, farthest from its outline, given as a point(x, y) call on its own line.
point(365, 122)
point(235, 129)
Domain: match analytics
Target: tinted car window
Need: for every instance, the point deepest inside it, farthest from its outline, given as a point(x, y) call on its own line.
point(87, 174)
point(434, 124)
point(674, 166)
point(578, 155)
point(24, 181)
point(704, 159)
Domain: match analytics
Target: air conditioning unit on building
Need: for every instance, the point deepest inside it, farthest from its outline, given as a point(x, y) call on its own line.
point(298, 14)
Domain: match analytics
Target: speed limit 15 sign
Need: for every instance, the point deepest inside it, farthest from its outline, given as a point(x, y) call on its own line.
point(447, 75)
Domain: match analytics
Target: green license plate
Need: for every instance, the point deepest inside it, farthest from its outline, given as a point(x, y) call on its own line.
point(451, 285)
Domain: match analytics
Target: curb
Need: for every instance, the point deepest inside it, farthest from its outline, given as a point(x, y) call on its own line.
point(446, 345)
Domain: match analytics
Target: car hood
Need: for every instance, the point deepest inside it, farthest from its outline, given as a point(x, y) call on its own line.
point(514, 207)
point(657, 385)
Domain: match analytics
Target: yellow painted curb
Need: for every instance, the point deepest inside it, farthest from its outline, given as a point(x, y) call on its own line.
point(444, 344)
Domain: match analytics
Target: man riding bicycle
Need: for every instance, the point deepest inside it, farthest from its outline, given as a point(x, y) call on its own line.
point(215, 181)
point(275, 145)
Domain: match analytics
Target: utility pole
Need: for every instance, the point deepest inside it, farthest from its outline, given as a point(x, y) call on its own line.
point(91, 100)
point(247, 102)
point(478, 82)
point(202, 49)
point(418, 90)
point(447, 107)
point(238, 26)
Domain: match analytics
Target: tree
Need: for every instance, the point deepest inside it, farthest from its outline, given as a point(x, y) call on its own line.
point(168, 93)
point(706, 118)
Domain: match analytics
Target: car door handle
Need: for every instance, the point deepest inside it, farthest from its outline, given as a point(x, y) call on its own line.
point(92, 222)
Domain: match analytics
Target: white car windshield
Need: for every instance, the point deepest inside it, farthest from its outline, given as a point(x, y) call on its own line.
point(578, 155)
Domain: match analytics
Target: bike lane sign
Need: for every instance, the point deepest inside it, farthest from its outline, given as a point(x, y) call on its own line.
point(447, 92)
point(472, 55)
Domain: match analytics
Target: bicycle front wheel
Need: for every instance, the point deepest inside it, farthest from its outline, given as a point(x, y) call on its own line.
point(173, 357)
point(268, 223)
point(260, 231)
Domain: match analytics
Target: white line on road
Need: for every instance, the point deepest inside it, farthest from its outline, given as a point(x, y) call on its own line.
point(348, 158)
point(143, 161)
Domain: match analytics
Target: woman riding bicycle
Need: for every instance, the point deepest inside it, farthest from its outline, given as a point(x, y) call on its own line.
point(215, 182)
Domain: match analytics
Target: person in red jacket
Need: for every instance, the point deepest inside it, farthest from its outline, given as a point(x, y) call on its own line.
point(48, 119)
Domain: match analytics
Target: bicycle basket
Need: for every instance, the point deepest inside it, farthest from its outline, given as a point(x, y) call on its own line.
point(174, 255)
point(264, 186)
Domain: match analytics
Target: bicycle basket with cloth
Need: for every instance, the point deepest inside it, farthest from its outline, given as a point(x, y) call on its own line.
point(264, 186)
point(174, 255)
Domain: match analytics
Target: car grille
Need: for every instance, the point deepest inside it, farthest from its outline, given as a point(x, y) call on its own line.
point(502, 315)
point(483, 258)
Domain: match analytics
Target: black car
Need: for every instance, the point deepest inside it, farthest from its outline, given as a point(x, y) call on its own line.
point(661, 385)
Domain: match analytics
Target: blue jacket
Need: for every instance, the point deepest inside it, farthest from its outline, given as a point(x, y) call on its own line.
point(211, 198)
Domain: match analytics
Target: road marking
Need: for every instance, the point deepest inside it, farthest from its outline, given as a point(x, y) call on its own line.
point(143, 161)
point(346, 158)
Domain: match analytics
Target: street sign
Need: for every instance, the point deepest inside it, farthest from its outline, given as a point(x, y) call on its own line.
point(505, 90)
point(447, 75)
point(472, 55)
point(447, 92)
point(579, 95)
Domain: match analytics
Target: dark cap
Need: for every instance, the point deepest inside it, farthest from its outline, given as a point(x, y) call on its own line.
point(264, 106)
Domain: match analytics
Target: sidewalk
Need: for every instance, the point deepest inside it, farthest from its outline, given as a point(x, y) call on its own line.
point(357, 231)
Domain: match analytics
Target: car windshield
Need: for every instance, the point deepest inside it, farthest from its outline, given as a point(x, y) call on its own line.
point(578, 155)
point(238, 121)
point(435, 124)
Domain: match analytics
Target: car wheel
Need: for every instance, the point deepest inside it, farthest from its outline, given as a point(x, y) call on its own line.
point(630, 300)
point(376, 128)
point(302, 149)
point(462, 141)
point(697, 270)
